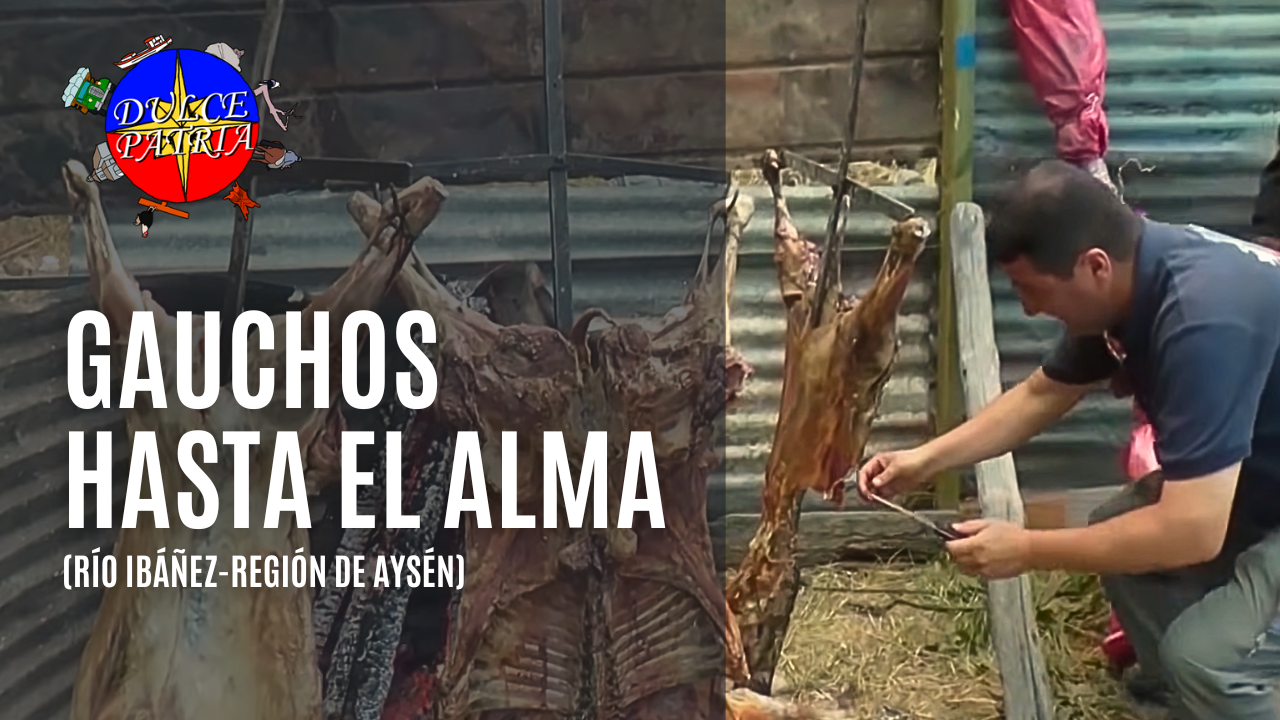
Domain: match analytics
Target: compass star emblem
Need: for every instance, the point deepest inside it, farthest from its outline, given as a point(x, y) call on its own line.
point(180, 119)
point(182, 125)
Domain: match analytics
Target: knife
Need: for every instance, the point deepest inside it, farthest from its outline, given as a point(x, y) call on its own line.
point(947, 534)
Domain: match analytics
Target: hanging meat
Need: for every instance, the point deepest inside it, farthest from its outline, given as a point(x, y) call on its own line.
point(371, 660)
point(517, 294)
point(610, 623)
point(224, 652)
point(840, 353)
point(381, 648)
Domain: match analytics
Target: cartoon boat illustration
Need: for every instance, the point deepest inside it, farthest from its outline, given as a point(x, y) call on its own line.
point(154, 45)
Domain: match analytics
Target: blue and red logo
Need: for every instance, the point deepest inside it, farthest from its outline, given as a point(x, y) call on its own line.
point(182, 125)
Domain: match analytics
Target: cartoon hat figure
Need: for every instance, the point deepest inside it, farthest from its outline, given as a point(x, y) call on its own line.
point(228, 54)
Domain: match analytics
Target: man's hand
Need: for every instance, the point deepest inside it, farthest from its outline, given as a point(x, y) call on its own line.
point(893, 473)
point(994, 549)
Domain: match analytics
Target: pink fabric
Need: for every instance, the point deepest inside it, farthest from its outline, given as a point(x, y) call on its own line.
point(1137, 458)
point(1064, 58)
point(1139, 455)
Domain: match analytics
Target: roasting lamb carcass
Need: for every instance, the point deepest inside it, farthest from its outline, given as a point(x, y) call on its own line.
point(561, 622)
point(224, 652)
point(368, 673)
point(838, 358)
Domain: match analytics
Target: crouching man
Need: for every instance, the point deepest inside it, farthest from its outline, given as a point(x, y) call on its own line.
point(1191, 560)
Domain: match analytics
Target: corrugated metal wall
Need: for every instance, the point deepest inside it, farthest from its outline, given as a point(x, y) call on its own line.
point(1192, 92)
point(42, 625)
point(635, 248)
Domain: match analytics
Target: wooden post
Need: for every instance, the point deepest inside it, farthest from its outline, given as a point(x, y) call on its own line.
point(959, 55)
point(242, 230)
point(1027, 695)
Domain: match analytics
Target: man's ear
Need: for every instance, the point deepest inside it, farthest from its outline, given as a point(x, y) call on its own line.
point(1096, 261)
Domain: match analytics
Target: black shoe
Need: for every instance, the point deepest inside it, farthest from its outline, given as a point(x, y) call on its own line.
point(1148, 690)
point(1149, 697)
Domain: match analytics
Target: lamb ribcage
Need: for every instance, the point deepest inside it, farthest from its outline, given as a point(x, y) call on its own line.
point(662, 638)
point(568, 649)
point(531, 655)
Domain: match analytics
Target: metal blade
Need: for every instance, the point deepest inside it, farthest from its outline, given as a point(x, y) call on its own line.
point(944, 533)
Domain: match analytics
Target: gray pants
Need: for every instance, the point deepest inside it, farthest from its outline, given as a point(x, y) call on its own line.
point(1211, 632)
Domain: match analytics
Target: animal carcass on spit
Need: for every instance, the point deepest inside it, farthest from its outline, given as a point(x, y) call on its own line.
point(562, 622)
point(839, 356)
point(224, 652)
point(378, 661)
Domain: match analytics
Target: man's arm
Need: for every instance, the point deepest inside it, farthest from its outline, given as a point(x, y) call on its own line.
point(1026, 409)
point(1208, 384)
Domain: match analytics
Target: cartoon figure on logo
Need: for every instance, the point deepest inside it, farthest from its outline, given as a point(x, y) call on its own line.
point(144, 219)
point(240, 199)
point(153, 46)
point(86, 94)
point(264, 89)
point(273, 154)
point(104, 165)
point(231, 56)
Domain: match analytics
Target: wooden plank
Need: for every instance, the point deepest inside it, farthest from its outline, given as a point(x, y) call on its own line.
point(425, 125)
point(433, 43)
point(648, 115)
point(501, 39)
point(34, 80)
point(803, 106)
point(788, 107)
point(1027, 695)
point(654, 115)
point(831, 537)
point(148, 8)
point(900, 26)
point(604, 36)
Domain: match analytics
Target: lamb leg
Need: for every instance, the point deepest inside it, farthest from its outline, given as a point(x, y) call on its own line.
point(516, 294)
point(114, 289)
point(390, 236)
point(795, 258)
point(736, 214)
point(746, 705)
point(391, 228)
point(194, 655)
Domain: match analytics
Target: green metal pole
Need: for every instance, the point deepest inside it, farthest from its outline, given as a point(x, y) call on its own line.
point(959, 57)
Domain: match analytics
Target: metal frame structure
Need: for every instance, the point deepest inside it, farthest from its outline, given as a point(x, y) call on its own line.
point(556, 164)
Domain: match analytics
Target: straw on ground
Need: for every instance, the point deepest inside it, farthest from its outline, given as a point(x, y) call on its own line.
point(911, 641)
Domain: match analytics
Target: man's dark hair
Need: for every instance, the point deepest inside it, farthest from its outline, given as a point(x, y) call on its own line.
point(1266, 206)
point(1055, 212)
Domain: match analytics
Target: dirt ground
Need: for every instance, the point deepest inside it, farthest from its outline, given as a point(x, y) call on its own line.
point(911, 642)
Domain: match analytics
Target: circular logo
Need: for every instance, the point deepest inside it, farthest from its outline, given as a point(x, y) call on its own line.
point(182, 125)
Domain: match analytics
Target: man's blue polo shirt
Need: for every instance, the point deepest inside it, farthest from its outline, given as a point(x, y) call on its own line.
point(1200, 347)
